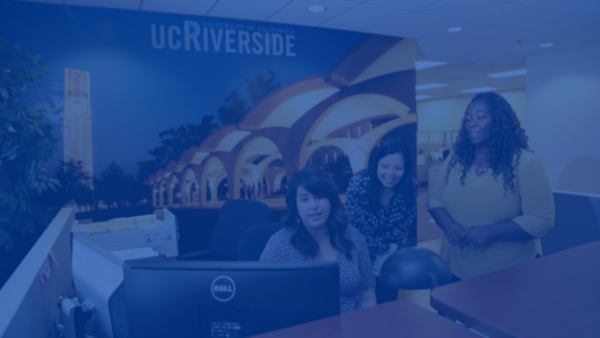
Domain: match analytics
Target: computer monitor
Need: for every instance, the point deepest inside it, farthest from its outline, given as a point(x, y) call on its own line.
point(226, 299)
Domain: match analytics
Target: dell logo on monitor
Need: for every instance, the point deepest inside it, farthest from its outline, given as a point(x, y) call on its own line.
point(223, 288)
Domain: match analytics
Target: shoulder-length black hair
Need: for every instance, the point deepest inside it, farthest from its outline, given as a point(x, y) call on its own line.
point(507, 141)
point(406, 186)
point(318, 183)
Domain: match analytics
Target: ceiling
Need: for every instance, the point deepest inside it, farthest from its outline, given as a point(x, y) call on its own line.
point(496, 35)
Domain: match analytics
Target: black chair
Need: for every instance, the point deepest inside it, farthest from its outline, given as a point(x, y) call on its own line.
point(414, 268)
point(235, 217)
point(445, 154)
point(253, 241)
point(576, 223)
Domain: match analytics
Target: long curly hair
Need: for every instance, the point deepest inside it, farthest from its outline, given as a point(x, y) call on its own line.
point(405, 186)
point(318, 183)
point(507, 141)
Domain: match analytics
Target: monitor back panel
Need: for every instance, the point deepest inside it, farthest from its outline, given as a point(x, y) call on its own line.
point(227, 299)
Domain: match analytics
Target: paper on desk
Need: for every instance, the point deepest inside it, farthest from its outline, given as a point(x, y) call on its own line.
point(118, 225)
point(91, 228)
point(134, 223)
point(135, 253)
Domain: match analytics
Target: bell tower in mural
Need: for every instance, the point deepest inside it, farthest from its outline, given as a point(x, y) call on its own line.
point(77, 122)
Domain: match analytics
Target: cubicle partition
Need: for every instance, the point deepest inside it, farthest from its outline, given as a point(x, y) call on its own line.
point(28, 307)
point(577, 221)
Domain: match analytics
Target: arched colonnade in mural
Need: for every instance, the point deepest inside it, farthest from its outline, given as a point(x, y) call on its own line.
point(197, 184)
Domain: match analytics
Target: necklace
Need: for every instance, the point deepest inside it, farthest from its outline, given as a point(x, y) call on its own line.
point(482, 170)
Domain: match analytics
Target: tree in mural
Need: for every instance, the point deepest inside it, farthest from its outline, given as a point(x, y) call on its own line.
point(26, 143)
point(114, 187)
point(234, 109)
point(236, 106)
point(174, 142)
point(137, 192)
point(75, 186)
point(49, 91)
point(261, 86)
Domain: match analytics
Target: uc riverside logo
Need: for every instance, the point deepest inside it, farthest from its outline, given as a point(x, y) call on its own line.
point(223, 288)
point(233, 38)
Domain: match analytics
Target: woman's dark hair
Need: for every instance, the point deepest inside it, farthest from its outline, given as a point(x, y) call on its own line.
point(318, 183)
point(507, 140)
point(406, 185)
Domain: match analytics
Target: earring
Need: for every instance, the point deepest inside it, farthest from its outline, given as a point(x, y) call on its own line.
point(298, 220)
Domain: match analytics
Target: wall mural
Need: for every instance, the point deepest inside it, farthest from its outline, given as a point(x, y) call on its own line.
point(188, 112)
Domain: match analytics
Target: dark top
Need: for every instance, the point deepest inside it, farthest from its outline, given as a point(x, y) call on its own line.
point(384, 226)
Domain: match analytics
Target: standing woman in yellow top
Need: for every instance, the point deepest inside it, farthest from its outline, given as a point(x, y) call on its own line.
point(492, 197)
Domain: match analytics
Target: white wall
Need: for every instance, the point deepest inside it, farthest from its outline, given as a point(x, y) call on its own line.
point(563, 116)
point(446, 114)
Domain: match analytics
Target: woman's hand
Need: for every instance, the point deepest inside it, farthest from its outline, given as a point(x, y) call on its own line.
point(481, 236)
point(454, 231)
point(477, 237)
point(456, 234)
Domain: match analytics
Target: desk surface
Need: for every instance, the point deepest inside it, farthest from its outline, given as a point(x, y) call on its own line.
point(393, 319)
point(554, 296)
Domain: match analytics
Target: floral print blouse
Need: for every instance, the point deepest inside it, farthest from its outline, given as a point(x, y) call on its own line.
point(387, 225)
point(355, 273)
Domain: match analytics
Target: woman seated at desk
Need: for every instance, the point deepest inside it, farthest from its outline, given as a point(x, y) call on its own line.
point(316, 229)
point(492, 197)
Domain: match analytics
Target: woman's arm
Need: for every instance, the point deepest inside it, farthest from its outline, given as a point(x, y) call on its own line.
point(351, 204)
point(537, 207)
point(411, 213)
point(503, 231)
point(537, 200)
point(435, 205)
point(454, 231)
point(365, 270)
point(356, 208)
point(400, 231)
point(368, 299)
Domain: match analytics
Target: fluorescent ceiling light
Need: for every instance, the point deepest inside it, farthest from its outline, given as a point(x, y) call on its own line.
point(421, 97)
point(427, 64)
point(510, 73)
point(316, 9)
point(454, 29)
point(476, 90)
point(548, 44)
point(430, 85)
